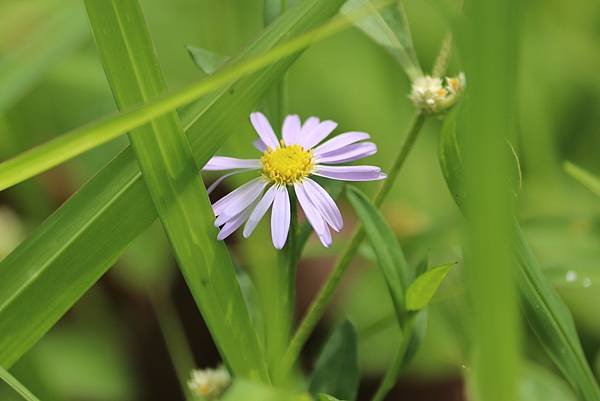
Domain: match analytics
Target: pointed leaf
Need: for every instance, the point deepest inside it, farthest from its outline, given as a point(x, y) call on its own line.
point(389, 28)
point(336, 371)
point(422, 290)
point(545, 311)
point(206, 60)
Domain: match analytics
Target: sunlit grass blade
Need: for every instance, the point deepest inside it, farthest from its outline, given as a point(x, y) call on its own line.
point(336, 370)
point(169, 171)
point(53, 33)
point(54, 267)
point(16, 385)
point(548, 316)
point(242, 390)
point(584, 177)
point(75, 142)
point(422, 290)
point(389, 28)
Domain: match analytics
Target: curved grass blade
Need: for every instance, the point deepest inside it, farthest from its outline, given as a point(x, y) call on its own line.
point(336, 370)
point(54, 267)
point(206, 60)
point(389, 28)
point(169, 171)
point(73, 143)
point(584, 177)
point(16, 385)
point(545, 311)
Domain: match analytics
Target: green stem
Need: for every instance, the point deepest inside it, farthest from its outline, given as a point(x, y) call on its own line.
point(174, 336)
point(318, 306)
point(399, 362)
point(16, 385)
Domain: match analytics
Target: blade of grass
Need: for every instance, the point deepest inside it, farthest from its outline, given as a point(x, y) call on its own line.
point(169, 171)
point(16, 385)
point(54, 267)
point(546, 313)
point(585, 178)
point(73, 143)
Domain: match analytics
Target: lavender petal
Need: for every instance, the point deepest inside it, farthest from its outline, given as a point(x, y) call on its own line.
point(280, 217)
point(217, 163)
point(259, 211)
point(291, 129)
point(317, 134)
point(340, 141)
point(355, 151)
point(314, 218)
point(264, 130)
point(350, 173)
point(324, 204)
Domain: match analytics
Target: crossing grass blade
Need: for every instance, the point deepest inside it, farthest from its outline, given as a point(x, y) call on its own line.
point(584, 177)
point(16, 385)
point(73, 143)
point(54, 267)
point(546, 313)
point(169, 171)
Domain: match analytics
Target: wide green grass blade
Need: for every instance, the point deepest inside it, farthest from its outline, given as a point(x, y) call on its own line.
point(55, 30)
point(242, 390)
point(336, 371)
point(54, 267)
point(73, 143)
point(389, 28)
point(169, 171)
point(548, 316)
point(16, 385)
point(584, 177)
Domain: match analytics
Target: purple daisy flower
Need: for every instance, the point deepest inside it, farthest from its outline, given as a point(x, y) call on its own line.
point(288, 163)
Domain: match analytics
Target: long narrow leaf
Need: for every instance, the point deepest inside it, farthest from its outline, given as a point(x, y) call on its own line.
point(545, 311)
point(16, 385)
point(53, 268)
point(584, 177)
point(168, 168)
point(73, 143)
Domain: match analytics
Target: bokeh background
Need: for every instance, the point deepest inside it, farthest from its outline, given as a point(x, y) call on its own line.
point(111, 346)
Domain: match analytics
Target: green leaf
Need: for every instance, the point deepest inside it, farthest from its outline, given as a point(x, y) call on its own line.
point(422, 290)
point(545, 311)
point(206, 60)
point(539, 384)
point(336, 371)
point(54, 267)
point(55, 30)
point(73, 143)
point(389, 28)
point(385, 245)
point(242, 390)
point(168, 168)
point(584, 177)
point(16, 385)
point(327, 397)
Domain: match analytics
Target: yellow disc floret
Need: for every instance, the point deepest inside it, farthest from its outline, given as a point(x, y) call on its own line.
point(286, 165)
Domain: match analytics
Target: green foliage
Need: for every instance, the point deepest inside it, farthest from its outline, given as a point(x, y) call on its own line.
point(170, 173)
point(585, 178)
point(385, 245)
point(336, 370)
point(422, 290)
point(16, 385)
point(327, 397)
point(206, 60)
point(545, 311)
point(54, 267)
point(242, 390)
point(389, 28)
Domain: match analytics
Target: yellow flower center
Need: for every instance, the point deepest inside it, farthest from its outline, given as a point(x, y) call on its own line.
point(286, 165)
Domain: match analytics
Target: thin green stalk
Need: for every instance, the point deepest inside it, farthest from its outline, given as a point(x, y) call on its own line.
point(399, 361)
point(318, 306)
point(16, 385)
point(173, 333)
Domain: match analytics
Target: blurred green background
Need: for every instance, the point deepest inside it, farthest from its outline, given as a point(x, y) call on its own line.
point(110, 347)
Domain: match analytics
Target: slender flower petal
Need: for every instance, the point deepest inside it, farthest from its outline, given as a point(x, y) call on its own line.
point(350, 173)
point(217, 163)
point(264, 130)
point(340, 141)
point(260, 210)
point(219, 180)
point(348, 153)
point(317, 134)
point(314, 218)
point(234, 202)
point(259, 145)
point(323, 203)
point(233, 224)
point(291, 129)
point(280, 217)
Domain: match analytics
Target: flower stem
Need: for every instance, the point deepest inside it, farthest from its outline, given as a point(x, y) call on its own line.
point(324, 296)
